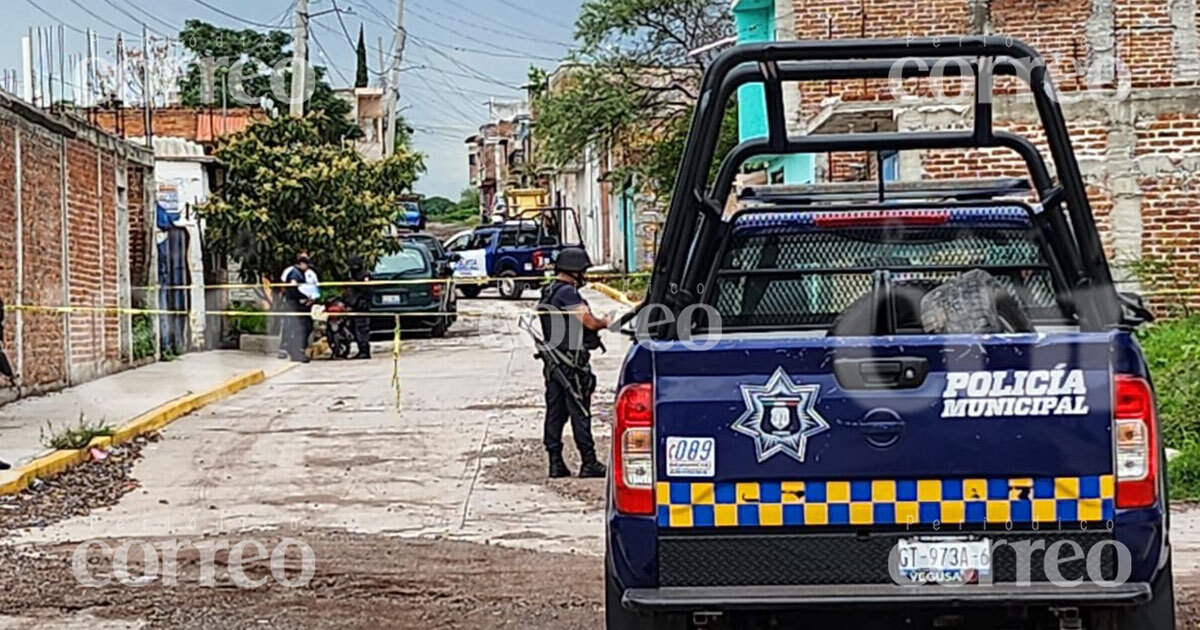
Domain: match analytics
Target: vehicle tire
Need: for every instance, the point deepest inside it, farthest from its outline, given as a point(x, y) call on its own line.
point(1157, 614)
point(973, 303)
point(617, 617)
point(340, 339)
point(510, 287)
point(439, 329)
point(470, 291)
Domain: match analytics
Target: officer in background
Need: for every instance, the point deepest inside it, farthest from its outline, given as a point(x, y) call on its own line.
point(571, 330)
point(358, 297)
point(295, 301)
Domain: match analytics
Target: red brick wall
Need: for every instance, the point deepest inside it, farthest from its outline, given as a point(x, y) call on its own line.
point(50, 156)
point(138, 230)
point(110, 295)
point(8, 228)
point(41, 231)
point(84, 242)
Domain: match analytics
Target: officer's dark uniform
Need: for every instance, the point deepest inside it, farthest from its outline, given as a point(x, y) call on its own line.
point(295, 334)
point(359, 299)
point(569, 384)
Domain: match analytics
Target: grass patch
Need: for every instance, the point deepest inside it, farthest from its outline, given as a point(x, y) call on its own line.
point(1172, 351)
point(1183, 473)
point(75, 436)
point(143, 336)
point(633, 286)
point(250, 320)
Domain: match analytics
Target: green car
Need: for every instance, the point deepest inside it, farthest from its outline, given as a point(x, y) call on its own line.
point(422, 305)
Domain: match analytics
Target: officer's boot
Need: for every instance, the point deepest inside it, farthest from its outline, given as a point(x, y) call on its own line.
point(558, 467)
point(591, 468)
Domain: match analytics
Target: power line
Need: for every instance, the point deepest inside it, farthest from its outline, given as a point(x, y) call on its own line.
point(532, 35)
point(488, 29)
point(70, 27)
point(231, 15)
point(328, 57)
point(150, 14)
point(533, 14)
point(98, 17)
point(512, 51)
point(133, 17)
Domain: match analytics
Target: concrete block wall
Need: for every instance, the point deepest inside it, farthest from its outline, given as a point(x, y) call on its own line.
point(68, 225)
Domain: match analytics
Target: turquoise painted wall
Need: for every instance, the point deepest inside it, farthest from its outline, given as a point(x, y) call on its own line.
point(754, 21)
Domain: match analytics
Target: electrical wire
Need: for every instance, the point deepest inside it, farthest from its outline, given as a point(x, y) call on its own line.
point(98, 17)
point(231, 16)
point(329, 58)
point(70, 27)
point(133, 17)
point(533, 14)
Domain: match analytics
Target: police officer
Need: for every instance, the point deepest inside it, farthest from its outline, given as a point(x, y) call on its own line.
point(571, 331)
point(358, 297)
point(295, 301)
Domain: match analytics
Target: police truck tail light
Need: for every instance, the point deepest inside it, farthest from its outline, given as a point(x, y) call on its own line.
point(633, 456)
point(436, 290)
point(539, 260)
point(1136, 442)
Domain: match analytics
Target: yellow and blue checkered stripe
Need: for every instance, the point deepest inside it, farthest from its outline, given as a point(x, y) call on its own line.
point(885, 502)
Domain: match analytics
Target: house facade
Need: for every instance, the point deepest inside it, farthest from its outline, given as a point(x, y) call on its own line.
point(1129, 71)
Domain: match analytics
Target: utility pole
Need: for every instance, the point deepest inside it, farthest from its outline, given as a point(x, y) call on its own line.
point(393, 86)
point(147, 94)
point(300, 58)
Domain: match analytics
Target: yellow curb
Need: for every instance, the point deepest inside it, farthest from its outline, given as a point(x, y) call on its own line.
point(149, 422)
point(619, 296)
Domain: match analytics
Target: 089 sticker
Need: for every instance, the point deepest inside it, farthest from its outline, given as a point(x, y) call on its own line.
point(691, 457)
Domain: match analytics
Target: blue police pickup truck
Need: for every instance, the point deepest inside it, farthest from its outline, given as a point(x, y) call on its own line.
point(513, 252)
point(920, 407)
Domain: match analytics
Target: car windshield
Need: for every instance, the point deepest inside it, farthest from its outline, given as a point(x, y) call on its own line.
point(406, 262)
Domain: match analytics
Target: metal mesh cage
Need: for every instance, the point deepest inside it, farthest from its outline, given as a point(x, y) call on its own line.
point(819, 273)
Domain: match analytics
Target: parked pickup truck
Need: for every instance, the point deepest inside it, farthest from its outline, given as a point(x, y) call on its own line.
point(515, 253)
point(921, 409)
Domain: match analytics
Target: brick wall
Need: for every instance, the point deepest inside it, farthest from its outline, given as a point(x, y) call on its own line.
point(198, 124)
point(1138, 157)
point(43, 353)
point(59, 219)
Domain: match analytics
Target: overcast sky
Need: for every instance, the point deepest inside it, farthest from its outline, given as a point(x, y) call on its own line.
point(460, 52)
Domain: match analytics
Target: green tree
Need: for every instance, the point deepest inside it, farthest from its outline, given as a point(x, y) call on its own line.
point(633, 86)
point(363, 78)
point(436, 207)
point(215, 50)
point(287, 190)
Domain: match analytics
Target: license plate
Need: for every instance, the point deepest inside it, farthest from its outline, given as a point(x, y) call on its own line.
point(944, 560)
point(691, 457)
point(394, 299)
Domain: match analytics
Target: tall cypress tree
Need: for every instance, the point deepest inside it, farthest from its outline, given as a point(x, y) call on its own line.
point(363, 78)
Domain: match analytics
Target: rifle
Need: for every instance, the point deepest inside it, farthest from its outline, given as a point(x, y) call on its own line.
point(559, 363)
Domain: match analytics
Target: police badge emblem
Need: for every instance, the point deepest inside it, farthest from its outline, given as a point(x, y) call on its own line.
point(780, 416)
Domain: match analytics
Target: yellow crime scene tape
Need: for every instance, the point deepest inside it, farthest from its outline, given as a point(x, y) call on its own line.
point(397, 339)
point(381, 283)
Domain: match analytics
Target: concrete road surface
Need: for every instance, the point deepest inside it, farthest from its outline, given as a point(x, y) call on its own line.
point(435, 515)
point(322, 451)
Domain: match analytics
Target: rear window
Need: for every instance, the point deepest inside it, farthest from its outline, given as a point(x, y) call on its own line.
point(801, 274)
point(403, 262)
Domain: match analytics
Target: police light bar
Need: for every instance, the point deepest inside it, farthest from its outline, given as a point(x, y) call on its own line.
point(873, 218)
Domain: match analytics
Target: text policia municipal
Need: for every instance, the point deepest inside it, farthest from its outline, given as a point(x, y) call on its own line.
point(1014, 393)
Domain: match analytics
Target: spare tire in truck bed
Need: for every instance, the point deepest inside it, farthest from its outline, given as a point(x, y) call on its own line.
point(973, 303)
